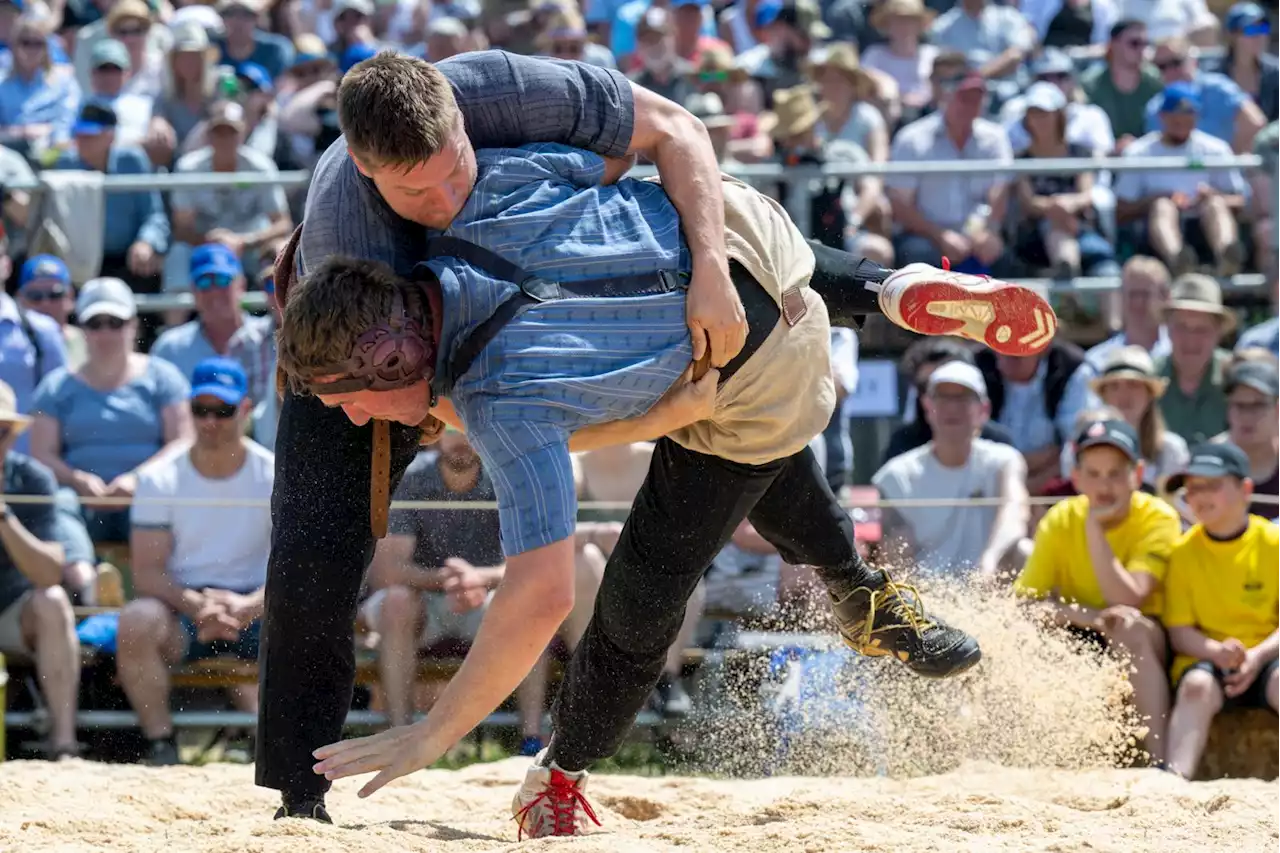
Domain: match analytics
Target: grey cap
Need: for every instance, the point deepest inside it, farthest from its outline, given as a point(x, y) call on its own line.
point(109, 296)
point(1261, 376)
point(110, 52)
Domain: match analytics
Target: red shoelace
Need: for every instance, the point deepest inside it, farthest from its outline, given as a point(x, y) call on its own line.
point(563, 796)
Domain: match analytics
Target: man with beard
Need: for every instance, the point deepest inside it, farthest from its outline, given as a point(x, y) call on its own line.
point(198, 568)
point(432, 575)
point(1100, 559)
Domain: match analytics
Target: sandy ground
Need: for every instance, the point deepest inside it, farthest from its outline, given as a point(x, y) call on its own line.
point(79, 806)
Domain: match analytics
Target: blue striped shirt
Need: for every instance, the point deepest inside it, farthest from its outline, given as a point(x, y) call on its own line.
point(559, 366)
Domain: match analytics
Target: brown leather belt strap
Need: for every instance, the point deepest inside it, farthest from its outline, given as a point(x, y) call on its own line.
point(380, 479)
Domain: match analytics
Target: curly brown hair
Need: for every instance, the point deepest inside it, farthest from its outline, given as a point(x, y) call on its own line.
point(325, 312)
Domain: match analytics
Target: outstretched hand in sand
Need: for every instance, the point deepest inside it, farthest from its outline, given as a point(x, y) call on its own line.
point(393, 753)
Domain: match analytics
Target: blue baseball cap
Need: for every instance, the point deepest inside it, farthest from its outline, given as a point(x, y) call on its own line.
point(354, 55)
point(40, 267)
point(767, 12)
point(1180, 97)
point(95, 118)
point(214, 259)
point(220, 377)
point(258, 77)
point(1249, 19)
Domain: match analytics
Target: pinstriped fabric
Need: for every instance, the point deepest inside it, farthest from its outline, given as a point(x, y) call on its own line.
point(559, 366)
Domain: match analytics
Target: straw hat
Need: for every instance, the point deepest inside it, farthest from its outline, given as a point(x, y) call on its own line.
point(794, 111)
point(900, 8)
point(1130, 362)
point(9, 410)
point(719, 60)
point(1200, 293)
point(843, 57)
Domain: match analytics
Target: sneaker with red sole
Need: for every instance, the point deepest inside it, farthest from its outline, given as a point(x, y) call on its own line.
point(552, 802)
point(1009, 318)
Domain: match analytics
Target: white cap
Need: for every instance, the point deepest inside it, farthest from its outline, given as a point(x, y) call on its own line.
point(959, 373)
point(1045, 96)
point(109, 296)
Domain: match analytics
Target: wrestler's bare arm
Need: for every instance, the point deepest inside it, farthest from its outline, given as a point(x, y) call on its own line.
point(687, 402)
point(534, 597)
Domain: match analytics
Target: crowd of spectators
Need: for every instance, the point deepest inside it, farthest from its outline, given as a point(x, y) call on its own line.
point(113, 414)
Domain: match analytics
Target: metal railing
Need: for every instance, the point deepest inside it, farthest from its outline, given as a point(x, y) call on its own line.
point(610, 506)
point(796, 178)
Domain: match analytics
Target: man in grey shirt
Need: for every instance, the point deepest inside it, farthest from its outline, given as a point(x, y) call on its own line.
point(321, 502)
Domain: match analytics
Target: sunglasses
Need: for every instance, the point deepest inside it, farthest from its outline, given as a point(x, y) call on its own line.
point(1169, 64)
point(1055, 77)
point(208, 282)
point(97, 324)
point(1139, 44)
point(32, 44)
point(38, 296)
point(126, 32)
point(221, 411)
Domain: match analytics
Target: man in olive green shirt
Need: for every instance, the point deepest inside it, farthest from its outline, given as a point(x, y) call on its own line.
point(1195, 403)
point(1124, 84)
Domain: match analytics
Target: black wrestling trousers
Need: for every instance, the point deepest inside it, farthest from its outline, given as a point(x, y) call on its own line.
point(321, 544)
point(685, 512)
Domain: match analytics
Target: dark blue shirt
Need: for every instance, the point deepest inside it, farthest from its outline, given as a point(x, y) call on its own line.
point(25, 476)
point(273, 52)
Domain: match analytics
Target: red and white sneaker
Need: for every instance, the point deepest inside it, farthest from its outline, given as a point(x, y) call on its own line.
point(1009, 318)
point(552, 802)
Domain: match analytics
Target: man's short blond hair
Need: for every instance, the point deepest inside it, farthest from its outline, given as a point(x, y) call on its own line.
point(326, 312)
point(396, 111)
point(1148, 267)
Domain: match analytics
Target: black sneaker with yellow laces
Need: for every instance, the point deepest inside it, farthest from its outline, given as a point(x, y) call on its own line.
point(889, 619)
point(307, 808)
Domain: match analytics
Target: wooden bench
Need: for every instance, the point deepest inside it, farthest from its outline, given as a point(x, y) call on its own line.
point(1242, 744)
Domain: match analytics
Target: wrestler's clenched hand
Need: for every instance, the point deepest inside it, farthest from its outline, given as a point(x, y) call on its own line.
point(689, 400)
point(714, 313)
point(393, 753)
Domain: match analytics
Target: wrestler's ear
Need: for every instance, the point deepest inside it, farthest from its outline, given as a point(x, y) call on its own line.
point(361, 167)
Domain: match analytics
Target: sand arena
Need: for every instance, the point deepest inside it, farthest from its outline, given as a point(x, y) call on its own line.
point(1022, 754)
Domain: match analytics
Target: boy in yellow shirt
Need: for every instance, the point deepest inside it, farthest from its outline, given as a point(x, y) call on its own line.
point(1099, 559)
point(1222, 588)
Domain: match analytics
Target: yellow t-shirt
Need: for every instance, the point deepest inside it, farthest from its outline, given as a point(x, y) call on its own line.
point(1060, 562)
point(1225, 589)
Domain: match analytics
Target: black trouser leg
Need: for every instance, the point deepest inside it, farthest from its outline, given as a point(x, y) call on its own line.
point(685, 512)
point(800, 516)
point(321, 544)
point(841, 280)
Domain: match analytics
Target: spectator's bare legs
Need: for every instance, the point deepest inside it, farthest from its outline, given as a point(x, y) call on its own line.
point(531, 697)
point(1064, 252)
point(49, 627)
point(873, 247)
point(149, 643)
point(399, 624)
point(1221, 233)
point(1263, 229)
point(1144, 641)
point(1164, 231)
point(1199, 700)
